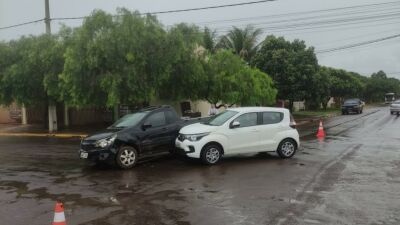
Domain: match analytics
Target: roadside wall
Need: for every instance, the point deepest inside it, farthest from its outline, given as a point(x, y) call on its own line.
point(5, 115)
point(10, 114)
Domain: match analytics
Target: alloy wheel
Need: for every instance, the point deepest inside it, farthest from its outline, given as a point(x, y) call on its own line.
point(127, 157)
point(287, 148)
point(212, 155)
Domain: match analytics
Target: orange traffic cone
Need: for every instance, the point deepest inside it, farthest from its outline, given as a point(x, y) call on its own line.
point(59, 217)
point(321, 132)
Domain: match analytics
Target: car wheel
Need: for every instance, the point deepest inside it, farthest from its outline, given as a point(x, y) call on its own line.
point(343, 112)
point(391, 113)
point(126, 157)
point(287, 148)
point(211, 154)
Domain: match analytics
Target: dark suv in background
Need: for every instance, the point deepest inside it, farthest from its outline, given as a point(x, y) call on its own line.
point(148, 132)
point(352, 105)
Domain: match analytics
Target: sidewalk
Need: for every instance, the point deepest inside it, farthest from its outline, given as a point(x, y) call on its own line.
point(303, 120)
point(34, 130)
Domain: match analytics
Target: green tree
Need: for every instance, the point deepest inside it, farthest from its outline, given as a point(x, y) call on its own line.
point(378, 85)
point(114, 61)
point(292, 65)
point(242, 42)
point(231, 81)
point(186, 57)
point(345, 85)
point(7, 58)
point(31, 74)
point(210, 40)
point(321, 93)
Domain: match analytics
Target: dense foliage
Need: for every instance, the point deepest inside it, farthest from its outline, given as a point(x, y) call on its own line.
point(132, 59)
point(127, 59)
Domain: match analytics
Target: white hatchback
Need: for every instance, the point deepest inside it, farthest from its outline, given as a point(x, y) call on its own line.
point(240, 130)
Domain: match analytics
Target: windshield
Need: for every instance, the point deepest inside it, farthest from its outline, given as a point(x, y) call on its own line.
point(129, 120)
point(221, 118)
point(351, 101)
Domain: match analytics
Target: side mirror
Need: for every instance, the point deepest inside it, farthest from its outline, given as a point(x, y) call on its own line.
point(146, 125)
point(235, 124)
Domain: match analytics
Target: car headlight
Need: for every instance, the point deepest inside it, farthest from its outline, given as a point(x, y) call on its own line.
point(195, 137)
point(103, 143)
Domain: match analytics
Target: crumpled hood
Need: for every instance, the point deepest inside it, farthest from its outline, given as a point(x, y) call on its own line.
point(197, 128)
point(100, 135)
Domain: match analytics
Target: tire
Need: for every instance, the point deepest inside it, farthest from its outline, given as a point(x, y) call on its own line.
point(391, 113)
point(343, 113)
point(211, 154)
point(287, 148)
point(127, 157)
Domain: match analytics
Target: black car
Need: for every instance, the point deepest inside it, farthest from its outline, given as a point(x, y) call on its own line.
point(148, 132)
point(352, 105)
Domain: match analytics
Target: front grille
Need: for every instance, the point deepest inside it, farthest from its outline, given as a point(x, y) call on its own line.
point(87, 146)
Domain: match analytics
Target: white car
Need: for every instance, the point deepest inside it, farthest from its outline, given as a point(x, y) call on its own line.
point(240, 130)
point(395, 107)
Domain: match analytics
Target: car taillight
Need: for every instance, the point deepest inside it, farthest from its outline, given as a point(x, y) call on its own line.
point(292, 123)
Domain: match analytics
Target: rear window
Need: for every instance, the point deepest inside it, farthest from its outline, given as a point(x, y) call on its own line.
point(352, 101)
point(272, 117)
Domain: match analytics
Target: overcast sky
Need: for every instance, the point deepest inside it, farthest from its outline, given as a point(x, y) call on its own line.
point(365, 60)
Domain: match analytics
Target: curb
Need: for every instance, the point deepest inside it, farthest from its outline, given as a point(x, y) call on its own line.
point(5, 134)
point(314, 119)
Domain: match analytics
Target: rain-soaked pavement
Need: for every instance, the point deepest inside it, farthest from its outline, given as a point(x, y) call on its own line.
point(350, 177)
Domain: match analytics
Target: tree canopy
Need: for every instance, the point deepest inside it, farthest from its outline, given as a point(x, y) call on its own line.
point(132, 58)
point(242, 41)
point(292, 66)
point(30, 68)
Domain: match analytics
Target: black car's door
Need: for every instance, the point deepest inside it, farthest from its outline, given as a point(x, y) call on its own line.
point(157, 137)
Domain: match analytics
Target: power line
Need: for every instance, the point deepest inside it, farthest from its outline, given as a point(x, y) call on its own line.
point(154, 13)
point(393, 73)
point(21, 24)
point(310, 24)
point(179, 10)
point(297, 13)
point(357, 44)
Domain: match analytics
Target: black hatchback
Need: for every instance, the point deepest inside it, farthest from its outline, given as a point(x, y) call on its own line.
point(148, 132)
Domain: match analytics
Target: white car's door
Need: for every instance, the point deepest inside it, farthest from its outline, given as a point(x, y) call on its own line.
point(271, 126)
point(244, 138)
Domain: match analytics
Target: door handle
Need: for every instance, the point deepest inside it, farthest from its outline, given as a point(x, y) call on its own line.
point(165, 128)
point(254, 130)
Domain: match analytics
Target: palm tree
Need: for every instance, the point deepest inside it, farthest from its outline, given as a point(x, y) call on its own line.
point(243, 41)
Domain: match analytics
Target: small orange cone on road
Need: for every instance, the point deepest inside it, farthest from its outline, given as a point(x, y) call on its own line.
point(321, 132)
point(59, 217)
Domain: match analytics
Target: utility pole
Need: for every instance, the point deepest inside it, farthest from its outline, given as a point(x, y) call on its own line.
point(52, 109)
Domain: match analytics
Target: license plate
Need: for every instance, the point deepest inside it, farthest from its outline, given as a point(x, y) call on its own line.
point(84, 155)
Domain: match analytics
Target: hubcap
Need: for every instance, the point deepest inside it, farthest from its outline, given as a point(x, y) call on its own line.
point(212, 155)
point(128, 157)
point(287, 149)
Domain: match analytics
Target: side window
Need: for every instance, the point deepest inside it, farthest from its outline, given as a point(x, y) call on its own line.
point(171, 116)
point(272, 117)
point(247, 120)
point(157, 119)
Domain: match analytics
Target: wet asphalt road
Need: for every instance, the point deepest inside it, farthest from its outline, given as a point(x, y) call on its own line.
point(350, 177)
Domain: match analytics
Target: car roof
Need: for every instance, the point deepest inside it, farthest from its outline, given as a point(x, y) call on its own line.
point(257, 109)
